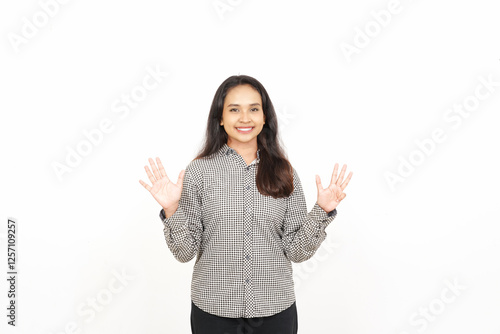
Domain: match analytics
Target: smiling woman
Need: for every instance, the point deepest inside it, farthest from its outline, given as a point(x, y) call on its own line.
point(242, 116)
point(239, 207)
point(243, 120)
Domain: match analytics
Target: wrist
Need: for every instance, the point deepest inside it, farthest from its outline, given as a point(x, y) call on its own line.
point(329, 213)
point(170, 210)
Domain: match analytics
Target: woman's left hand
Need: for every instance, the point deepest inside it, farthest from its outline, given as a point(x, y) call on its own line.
point(330, 197)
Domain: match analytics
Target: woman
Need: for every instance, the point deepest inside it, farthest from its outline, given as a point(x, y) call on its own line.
point(239, 207)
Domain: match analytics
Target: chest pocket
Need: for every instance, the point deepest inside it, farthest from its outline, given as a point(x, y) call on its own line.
point(210, 202)
point(219, 198)
point(271, 211)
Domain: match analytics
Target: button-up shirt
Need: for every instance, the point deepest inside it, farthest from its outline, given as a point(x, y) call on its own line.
point(244, 241)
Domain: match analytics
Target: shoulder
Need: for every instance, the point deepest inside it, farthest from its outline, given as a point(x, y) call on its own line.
point(295, 174)
point(297, 184)
point(195, 167)
point(198, 168)
point(200, 164)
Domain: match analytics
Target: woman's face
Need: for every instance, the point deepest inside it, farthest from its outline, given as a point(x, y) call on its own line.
point(242, 116)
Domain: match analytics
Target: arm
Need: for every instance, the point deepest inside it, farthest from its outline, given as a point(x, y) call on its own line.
point(303, 232)
point(183, 229)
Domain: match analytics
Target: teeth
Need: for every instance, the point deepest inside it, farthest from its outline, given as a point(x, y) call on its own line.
point(244, 129)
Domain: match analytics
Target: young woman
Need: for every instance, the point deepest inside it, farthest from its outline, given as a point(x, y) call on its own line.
point(239, 207)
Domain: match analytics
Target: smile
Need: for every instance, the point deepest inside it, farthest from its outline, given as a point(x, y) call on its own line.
point(244, 130)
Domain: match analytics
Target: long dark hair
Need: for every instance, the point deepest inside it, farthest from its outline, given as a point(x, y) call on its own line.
point(274, 174)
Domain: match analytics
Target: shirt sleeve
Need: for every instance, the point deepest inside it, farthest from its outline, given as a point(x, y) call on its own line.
point(183, 230)
point(303, 232)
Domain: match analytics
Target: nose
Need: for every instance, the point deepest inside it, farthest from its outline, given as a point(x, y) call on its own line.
point(244, 116)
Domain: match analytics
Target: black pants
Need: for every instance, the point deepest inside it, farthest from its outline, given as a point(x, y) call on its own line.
point(284, 322)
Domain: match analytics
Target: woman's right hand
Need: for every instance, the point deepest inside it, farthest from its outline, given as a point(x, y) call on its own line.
point(165, 192)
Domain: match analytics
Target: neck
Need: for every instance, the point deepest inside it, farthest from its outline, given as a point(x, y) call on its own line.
point(244, 149)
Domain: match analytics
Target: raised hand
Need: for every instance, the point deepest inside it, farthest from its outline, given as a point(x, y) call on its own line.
point(330, 197)
point(165, 192)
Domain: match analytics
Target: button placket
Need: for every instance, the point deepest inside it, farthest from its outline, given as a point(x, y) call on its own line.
point(247, 241)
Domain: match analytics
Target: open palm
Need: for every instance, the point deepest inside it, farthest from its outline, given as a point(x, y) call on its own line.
point(165, 192)
point(330, 197)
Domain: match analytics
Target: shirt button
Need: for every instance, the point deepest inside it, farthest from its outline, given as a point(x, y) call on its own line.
point(248, 167)
point(249, 209)
point(247, 233)
point(247, 280)
point(248, 187)
point(247, 257)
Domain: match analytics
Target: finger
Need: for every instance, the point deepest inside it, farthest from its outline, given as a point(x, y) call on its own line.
point(318, 183)
point(342, 197)
point(150, 176)
point(341, 176)
point(155, 170)
point(346, 182)
point(334, 174)
point(162, 170)
point(180, 179)
point(145, 185)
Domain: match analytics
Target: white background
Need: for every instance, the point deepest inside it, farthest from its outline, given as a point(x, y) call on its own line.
point(394, 247)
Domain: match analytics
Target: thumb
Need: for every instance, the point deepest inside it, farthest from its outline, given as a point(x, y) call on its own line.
point(180, 179)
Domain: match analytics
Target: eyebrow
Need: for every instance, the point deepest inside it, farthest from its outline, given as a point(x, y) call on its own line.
point(237, 105)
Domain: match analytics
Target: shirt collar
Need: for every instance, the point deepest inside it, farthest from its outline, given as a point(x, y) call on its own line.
point(226, 150)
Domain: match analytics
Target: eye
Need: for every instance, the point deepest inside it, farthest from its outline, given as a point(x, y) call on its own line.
point(233, 109)
point(255, 109)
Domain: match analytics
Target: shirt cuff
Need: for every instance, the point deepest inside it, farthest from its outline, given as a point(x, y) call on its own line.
point(319, 214)
point(172, 217)
point(332, 213)
point(162, 214)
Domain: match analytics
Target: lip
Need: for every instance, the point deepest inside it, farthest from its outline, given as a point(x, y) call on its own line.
point(245, 127)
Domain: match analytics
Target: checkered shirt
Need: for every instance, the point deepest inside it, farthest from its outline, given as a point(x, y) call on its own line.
point(244, 242)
